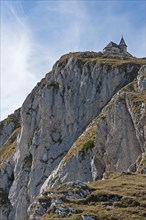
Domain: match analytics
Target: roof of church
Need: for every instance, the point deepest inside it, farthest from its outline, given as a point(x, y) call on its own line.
point(112, 44)
point(122, 42)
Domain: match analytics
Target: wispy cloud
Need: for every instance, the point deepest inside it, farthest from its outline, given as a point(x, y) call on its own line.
point(16, 79)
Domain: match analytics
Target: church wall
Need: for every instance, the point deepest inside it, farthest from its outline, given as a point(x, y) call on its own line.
point(112, 50)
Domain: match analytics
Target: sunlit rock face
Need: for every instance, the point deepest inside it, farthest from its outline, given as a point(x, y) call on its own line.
point(116, 140)
point(58, 111)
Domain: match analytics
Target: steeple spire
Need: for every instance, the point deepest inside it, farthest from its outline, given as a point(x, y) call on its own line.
point(122, 42)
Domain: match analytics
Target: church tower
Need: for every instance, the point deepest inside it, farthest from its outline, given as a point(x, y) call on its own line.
point(122, 45)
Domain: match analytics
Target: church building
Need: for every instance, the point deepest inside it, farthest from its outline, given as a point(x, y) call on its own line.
point(115, 48)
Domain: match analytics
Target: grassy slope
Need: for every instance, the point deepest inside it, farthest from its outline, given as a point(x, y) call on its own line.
point(99, 58)
point(131, 206)
point(8, 149)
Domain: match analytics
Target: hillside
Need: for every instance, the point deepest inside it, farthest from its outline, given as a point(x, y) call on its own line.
point(120, 196)
point(86, 118)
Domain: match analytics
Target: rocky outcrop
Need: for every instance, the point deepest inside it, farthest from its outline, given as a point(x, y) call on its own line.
point(58, 111)
point(50, 201)
point(142, 80)
point(8, 126)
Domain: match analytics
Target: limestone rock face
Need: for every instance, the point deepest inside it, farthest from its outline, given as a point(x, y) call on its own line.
point(112, 142)
point(64, 135)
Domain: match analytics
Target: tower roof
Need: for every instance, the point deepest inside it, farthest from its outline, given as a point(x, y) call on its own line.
point(122, 42)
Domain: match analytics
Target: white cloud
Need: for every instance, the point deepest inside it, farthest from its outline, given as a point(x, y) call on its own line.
point(16, 79)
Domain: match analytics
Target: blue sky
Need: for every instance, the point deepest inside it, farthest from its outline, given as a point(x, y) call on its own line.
point(34, 34)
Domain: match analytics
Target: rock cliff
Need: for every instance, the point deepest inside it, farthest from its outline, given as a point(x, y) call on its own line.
point(79, 122)
point(9, 130)
point(114, 141)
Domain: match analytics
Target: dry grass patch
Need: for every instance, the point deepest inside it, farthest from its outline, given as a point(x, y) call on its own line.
point(121, 197)
point(84, 142)
point(9, 148)
point(136, 100)
point(99, 58)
